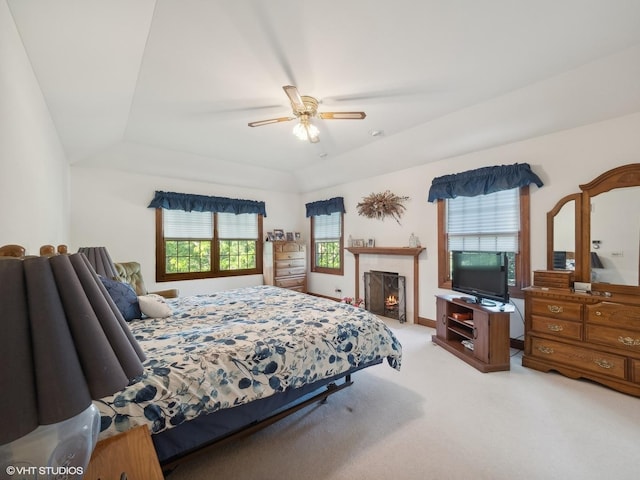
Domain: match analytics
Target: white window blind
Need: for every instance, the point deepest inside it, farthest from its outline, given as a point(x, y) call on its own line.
point(181, 224)
point(243, 226)
point(485, 222)
point(327, 227)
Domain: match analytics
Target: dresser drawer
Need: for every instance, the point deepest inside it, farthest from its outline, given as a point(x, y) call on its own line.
point(285, 272)
point(635, 371)
point(298, 262)
point(579, 357)
point(614, 315)
point(292, 247)
point(614, 337)
point(291, 282)
point(280, 246)
point(554, 326)
point(290, 256)
point(556, 309)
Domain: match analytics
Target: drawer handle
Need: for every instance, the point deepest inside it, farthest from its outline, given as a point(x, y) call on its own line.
point(598, 313)
point(629, 342)
point(604, 363)
point(544, 349)
point(555, 327)
point(555, 309)
point(444, 319)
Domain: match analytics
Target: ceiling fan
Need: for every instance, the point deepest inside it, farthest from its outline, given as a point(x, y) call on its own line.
point(305, 108)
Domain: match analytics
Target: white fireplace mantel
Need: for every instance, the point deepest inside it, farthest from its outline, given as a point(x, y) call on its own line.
point(407, 251)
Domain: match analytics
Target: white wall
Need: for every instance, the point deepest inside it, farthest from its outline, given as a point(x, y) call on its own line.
point(109, 208)
point(34, 183)
point(563, 161)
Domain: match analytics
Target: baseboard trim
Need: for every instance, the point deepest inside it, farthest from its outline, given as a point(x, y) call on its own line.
point(426, 322)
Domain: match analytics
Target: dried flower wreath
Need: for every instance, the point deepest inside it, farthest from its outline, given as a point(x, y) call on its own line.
point(380, 205)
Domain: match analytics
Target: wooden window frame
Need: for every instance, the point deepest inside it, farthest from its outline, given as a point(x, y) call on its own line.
point(523, 257)
point(215, 272)
point(330, 271)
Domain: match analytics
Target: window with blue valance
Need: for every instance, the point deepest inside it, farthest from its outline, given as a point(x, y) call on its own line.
point(483, 181)
point(203, 203)
point(325, 207)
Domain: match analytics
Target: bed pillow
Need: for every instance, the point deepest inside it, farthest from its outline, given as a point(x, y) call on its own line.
point(124, 297)
point(154, 306)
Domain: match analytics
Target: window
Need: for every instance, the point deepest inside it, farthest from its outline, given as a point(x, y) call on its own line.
point(495, 222)
point(326, 247)
point(192, 245)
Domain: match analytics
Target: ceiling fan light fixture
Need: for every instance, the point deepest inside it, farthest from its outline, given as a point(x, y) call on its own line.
point(305, 130)
point(305, 107)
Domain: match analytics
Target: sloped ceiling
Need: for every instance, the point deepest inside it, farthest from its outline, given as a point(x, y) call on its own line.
point(168, 86)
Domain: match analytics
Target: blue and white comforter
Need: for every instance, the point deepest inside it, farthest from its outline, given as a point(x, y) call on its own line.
point(229, 348)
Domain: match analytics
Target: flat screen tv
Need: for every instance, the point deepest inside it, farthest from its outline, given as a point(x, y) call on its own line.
point(483, 275)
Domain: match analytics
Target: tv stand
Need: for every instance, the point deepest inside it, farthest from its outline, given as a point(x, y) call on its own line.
point(487, 327)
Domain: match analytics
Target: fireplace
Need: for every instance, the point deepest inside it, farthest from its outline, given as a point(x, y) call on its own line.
point(384, 294)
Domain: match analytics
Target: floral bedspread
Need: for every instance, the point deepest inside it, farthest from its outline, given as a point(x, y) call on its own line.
point(232, 347)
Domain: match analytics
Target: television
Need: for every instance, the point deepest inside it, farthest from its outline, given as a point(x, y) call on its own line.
point(483, 275)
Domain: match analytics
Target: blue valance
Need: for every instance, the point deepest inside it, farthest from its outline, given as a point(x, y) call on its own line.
point(325, 207)
point(202, 203)
point(483, 181)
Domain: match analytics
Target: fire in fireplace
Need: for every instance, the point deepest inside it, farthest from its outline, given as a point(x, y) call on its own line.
point(384, 294)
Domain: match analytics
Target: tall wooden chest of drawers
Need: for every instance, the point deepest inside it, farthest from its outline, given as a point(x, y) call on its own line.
point(285, 265)
point(583, 335)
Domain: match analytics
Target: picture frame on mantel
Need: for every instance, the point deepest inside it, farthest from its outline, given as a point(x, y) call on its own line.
point(358, 242)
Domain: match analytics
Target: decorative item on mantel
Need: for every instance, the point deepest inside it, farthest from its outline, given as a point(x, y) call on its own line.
point(414, 241)
point(381, 205)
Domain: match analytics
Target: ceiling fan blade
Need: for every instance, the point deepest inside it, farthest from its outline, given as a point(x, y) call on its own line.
point(342, 115)
point(407, 92)
point(294, 96)
point(272, 120)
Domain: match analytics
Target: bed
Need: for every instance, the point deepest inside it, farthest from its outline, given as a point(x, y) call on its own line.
point(228, 361)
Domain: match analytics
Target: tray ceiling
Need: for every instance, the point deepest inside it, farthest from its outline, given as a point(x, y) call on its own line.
point(168, 86)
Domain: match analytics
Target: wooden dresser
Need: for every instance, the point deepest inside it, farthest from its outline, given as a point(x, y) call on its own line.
point(285, 265)
point(584, 335)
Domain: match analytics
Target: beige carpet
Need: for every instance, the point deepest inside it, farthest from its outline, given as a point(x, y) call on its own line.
point(439, 418)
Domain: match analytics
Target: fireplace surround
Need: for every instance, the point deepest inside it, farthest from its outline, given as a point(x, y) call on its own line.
point(413, 252)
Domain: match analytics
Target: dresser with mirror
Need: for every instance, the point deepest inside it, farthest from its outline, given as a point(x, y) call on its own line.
point(591, 331)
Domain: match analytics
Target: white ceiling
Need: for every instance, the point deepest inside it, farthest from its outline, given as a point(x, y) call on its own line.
point(168, 86)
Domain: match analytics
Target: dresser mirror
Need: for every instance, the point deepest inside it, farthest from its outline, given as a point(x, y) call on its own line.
point(563, 234)
point(610, 240)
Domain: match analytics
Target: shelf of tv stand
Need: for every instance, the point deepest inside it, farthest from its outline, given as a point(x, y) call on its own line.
point(488, 329)
point(461, 328)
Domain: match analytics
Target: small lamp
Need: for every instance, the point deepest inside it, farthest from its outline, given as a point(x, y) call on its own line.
point(64, 344)
point(100, 260)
